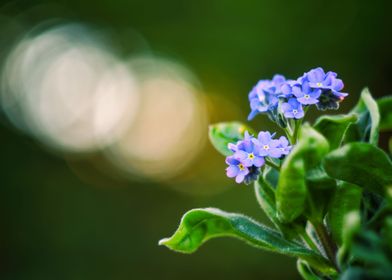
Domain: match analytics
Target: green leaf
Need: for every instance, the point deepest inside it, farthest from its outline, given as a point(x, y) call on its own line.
point(318, 201)
point(292, 192)
point(347, 198)
point(221, 134)
point(385, 107)
point(334, 127)
point(362, 164)
point(305, 271)
point(265, 195)
point(312, 147)
point(366, 129)
point(199, 225)
point(354, 273)
point(351, 226)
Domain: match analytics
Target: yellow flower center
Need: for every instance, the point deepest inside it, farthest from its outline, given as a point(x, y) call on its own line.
point(251, 156)
point(241, 166)
point(319, 84)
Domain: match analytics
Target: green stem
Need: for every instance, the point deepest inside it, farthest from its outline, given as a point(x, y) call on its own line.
point(289, 135)
point(328, 245)
point(272, 164)
point(296, 130)
point(292, 134)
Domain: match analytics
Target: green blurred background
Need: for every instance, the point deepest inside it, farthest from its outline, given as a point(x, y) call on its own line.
point(67, 215)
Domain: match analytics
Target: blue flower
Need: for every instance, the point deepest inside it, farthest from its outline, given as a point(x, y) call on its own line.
point(292, 109)
point(305, 94)
point(247, 152)
point(284, 146)
point(267, 145)
point(246, 160)
point(336, 87)
point(249, 155)
point(264, 97)
point(327, 82)
point(287, 88)
point(236, 169)
point(317, 78)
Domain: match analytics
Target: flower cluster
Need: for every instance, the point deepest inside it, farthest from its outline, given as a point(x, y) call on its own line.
point(251, 153)
point(284, 99)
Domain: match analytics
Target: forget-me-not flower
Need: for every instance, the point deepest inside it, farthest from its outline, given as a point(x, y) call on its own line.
point(267, 145)
point(284, 146)
point(305, 94)
point(293, 109)
point(236, 169)
point(264, 97)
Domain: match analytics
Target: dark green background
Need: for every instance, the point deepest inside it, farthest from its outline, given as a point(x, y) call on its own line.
point(54, 225)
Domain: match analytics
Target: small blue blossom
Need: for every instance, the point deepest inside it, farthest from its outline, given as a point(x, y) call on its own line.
point(287, 88)
point(318, 79)
point(246, 160)
point(336, 87)
point(267, 145)
point(264, 97)
point(284, 146)
point(236, 169)
point(248, 153)
point(305, 94)
point(293, 109)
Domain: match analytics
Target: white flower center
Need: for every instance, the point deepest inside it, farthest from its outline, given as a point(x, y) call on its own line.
point(295, 111)
point(319, 84)
point(265, 147)
point(307, 96)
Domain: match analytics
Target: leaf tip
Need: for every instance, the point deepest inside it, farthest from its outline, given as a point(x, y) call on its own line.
point(163, 241)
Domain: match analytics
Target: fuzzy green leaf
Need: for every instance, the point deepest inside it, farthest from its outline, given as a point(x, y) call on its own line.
point(221, 134)
point(199, 225)
point(346, 199)
point(362, 164)
point(265, 195)
point(292, 190)
point(367, 127)
point(305, 271)
point(385, 107)
point(334, 127)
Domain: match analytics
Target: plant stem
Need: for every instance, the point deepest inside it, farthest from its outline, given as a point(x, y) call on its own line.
point(328, 245)
point(292, 133)
point(296, 131)
point(272, 164)
point(289, 135)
